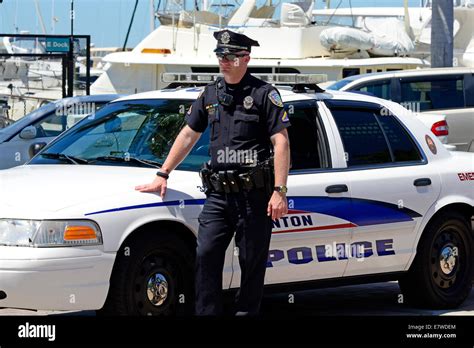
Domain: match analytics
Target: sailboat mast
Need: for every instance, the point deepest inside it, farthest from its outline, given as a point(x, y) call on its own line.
point(407, 21)
point(40, 16)
point(130, 25)
point(53, 24)
point(152, 15)
point(442, 23)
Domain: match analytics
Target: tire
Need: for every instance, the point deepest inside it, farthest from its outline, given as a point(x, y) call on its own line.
point(156, 277)
point(440, 276)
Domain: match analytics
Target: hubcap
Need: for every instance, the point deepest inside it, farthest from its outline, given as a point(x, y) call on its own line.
point(157, 289)
point(448, 259)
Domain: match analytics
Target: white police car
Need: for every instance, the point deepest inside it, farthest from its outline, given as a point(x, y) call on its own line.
point(373, 196)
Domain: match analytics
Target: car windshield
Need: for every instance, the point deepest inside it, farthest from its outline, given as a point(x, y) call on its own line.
point(339, 84)
point(127, 133)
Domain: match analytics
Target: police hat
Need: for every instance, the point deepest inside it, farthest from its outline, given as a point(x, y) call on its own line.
point(229, 41)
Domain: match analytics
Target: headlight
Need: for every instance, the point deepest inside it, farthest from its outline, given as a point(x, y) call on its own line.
point(36, 233)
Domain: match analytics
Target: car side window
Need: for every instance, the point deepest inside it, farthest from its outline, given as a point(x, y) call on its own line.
point(363, 139)
point(401, 143)
point(64, 118)
point(380, 89)
point(307, 151)
point(370, 138)
point(432, 94)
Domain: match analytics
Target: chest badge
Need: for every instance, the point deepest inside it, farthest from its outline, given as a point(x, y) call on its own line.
point(248, 102)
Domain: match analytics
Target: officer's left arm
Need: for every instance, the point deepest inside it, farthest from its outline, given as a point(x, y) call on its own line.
point(277, 122)
point(278, 205)
point(281, 149)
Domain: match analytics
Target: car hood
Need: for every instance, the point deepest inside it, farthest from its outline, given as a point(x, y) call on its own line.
point(32, 190)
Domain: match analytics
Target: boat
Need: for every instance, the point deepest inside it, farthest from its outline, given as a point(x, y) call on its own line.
point(361, 27)
point(184, 43)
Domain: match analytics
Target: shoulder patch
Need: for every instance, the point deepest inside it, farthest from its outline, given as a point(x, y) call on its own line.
point(275, 98)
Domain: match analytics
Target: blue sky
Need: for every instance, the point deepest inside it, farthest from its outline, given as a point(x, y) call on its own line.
point(107, 20)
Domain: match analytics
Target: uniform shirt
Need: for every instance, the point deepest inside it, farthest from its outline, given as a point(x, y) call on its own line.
point(255, 114)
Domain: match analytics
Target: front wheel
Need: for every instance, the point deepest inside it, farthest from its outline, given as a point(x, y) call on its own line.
point(441, 274)
point(153, 275)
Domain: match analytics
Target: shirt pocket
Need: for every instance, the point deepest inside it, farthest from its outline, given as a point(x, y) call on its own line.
point(246, 126)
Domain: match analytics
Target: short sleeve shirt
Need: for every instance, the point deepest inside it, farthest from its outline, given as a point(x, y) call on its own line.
point(241, 117)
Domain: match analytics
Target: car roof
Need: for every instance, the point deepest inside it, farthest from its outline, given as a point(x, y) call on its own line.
point(192, 93)
point(412, 72)
point(92, 98)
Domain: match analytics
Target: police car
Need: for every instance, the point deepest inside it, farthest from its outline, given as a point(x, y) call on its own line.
point(373, 196)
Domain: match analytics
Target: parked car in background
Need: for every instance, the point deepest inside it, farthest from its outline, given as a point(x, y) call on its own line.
point(446, 91)
point(22, 139)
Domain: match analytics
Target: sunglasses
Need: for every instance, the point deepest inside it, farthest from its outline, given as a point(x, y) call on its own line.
point(230, 56)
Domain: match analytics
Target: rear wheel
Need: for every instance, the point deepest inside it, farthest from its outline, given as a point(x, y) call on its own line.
point(152, 276)
point(441, 274)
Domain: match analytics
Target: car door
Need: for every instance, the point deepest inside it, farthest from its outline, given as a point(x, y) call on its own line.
point(392, 186)
point(308, 243)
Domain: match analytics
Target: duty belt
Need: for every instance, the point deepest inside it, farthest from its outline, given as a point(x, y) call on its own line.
point(260, 177)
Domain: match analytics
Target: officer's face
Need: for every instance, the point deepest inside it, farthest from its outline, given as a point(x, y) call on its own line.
point(234, 63)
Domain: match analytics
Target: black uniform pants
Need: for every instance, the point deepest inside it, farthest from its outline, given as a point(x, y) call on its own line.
point(244, 214)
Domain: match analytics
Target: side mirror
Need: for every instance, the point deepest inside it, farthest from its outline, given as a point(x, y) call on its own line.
point(35, 148)
point(28, 133)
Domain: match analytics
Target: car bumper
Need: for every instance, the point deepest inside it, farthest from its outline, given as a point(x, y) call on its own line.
point(54, 278)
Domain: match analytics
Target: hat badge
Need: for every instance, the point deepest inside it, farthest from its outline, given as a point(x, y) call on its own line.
point(225, 38)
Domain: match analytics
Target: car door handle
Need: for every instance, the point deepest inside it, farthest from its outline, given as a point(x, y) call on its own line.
point(336, 189)
point(422, 182)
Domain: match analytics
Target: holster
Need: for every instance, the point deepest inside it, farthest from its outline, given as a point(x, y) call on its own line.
point(231, 181)
point(268, 172)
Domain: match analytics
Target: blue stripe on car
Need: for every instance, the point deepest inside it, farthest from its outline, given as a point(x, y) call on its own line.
point(151, 205)
point(361, 212)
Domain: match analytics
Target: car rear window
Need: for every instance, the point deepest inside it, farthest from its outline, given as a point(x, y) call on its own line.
point(370, 138)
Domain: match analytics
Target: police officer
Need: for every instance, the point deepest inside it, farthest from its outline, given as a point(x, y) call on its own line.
point(248, 123)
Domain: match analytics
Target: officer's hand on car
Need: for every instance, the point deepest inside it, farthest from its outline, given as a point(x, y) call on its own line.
point(277, 206)
point(158, 185)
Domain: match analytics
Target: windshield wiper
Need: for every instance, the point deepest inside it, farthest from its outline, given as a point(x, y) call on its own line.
point(71, 159)
point(127, 159)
